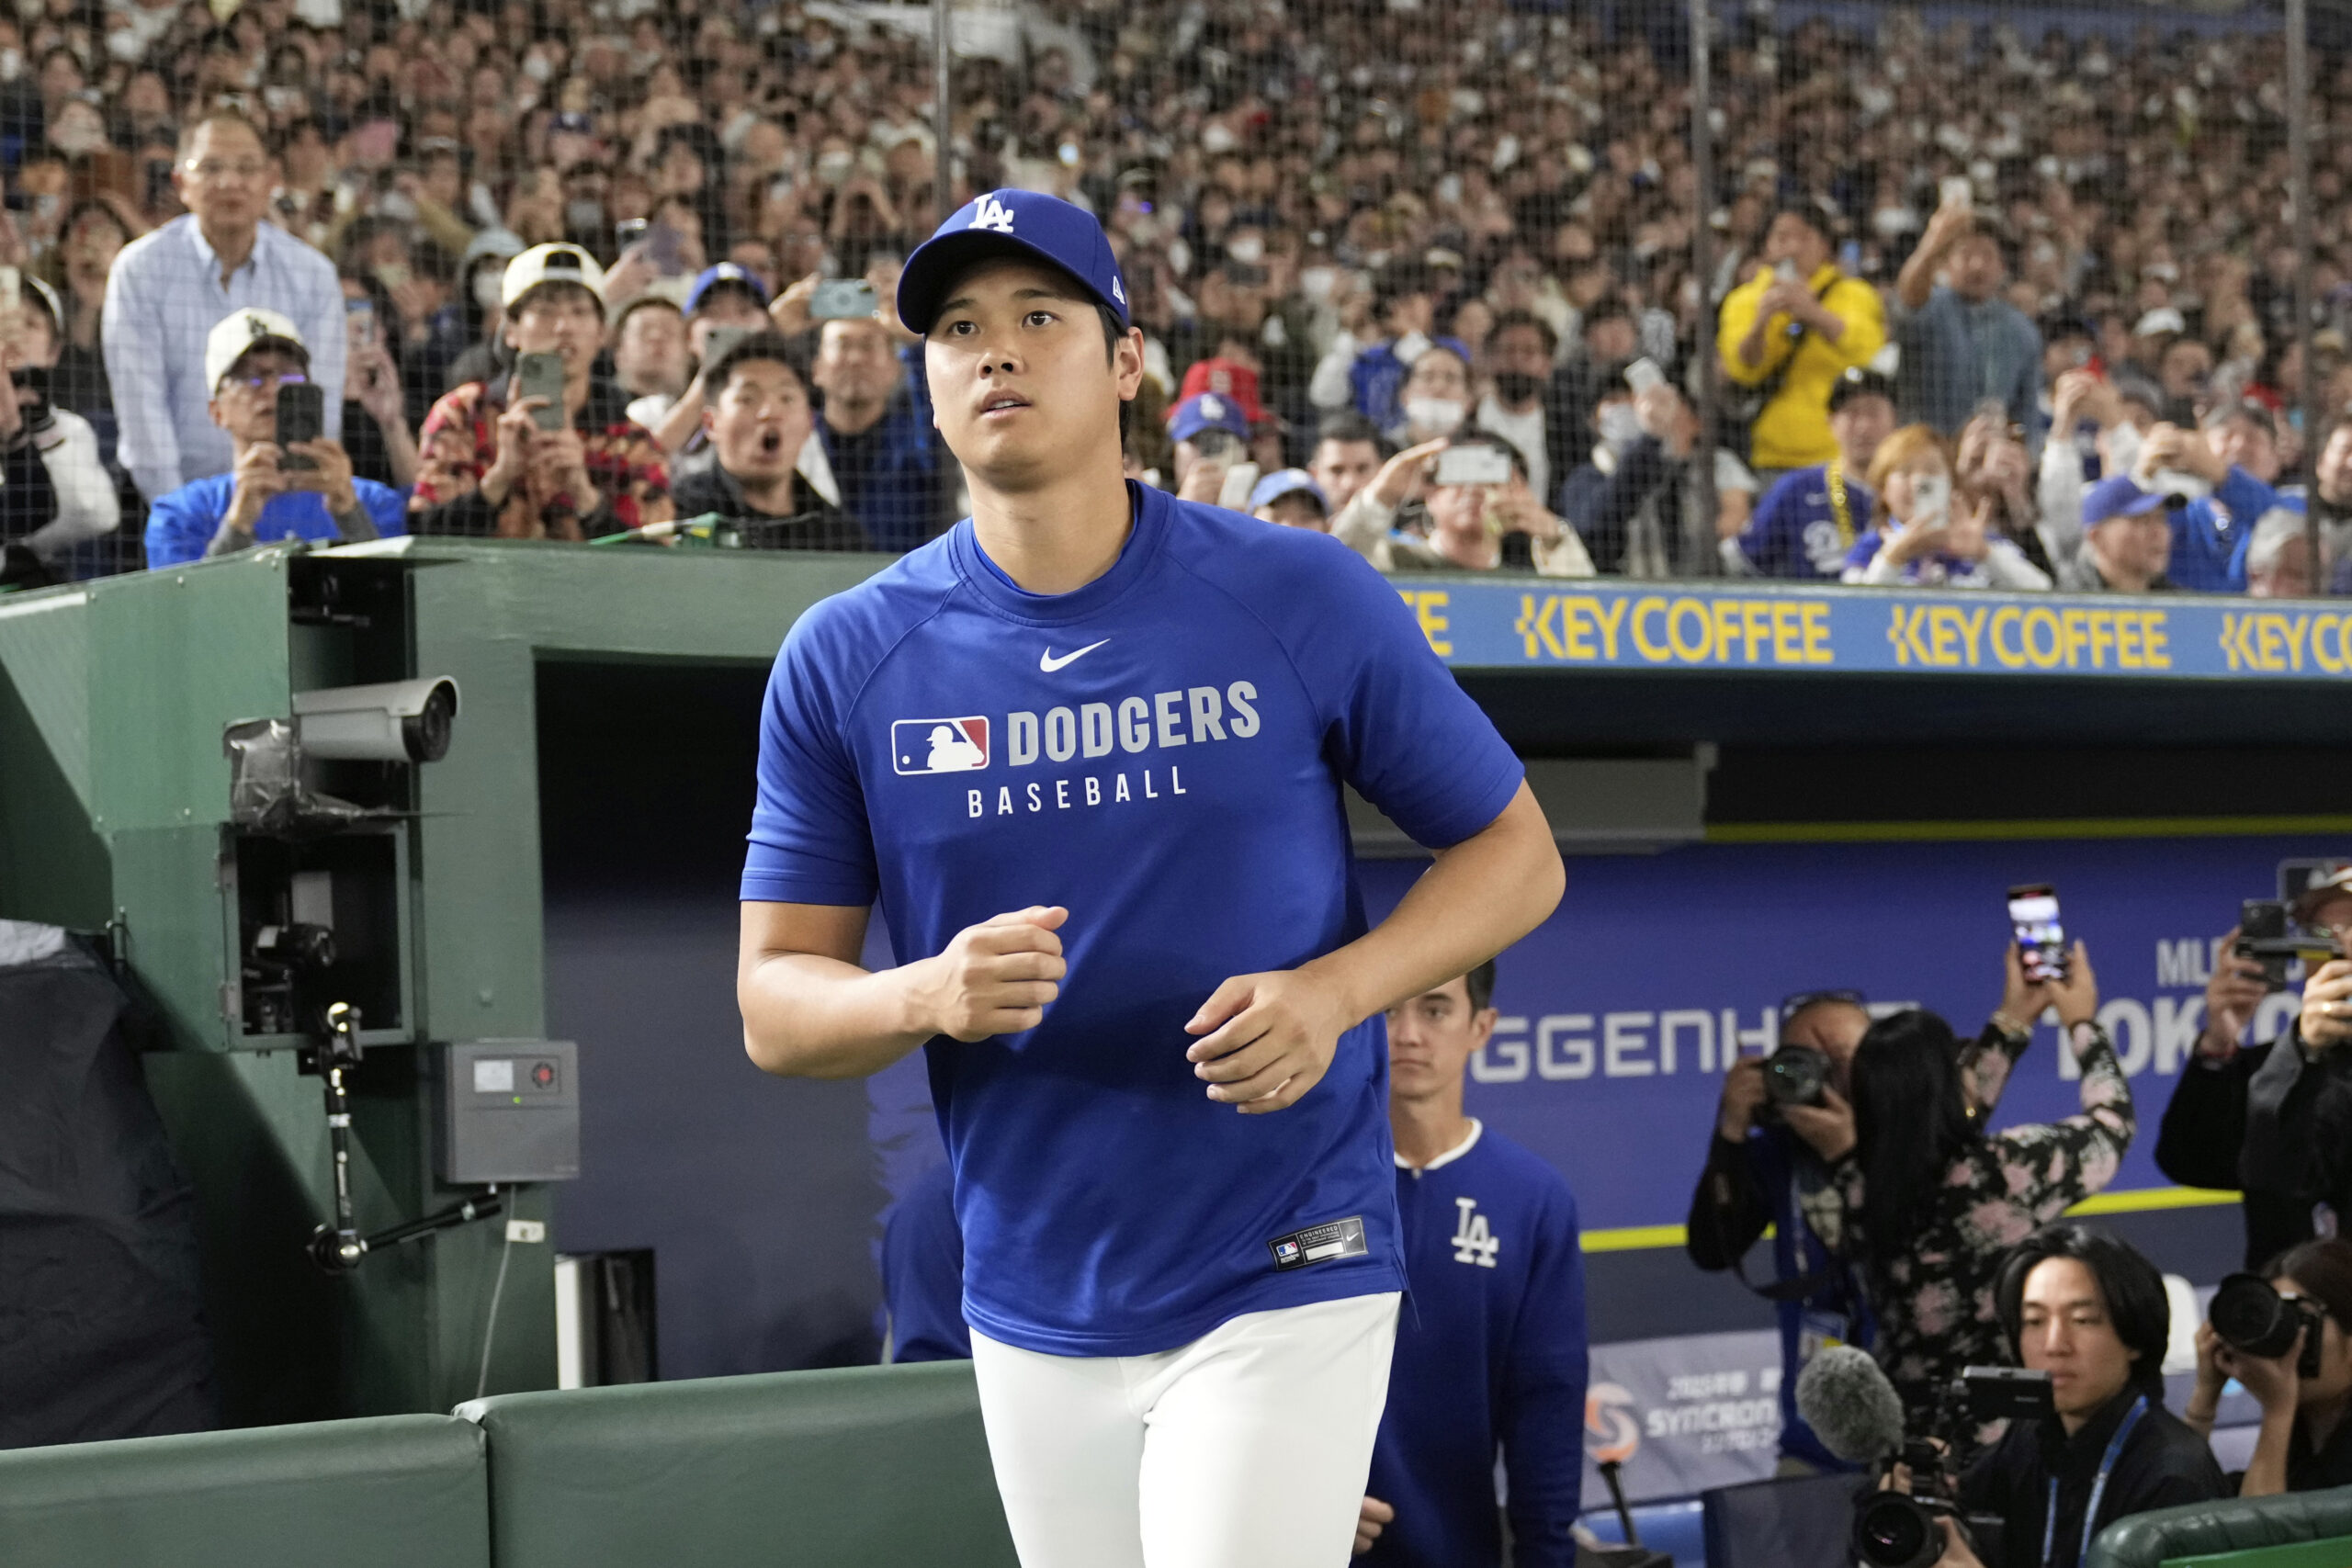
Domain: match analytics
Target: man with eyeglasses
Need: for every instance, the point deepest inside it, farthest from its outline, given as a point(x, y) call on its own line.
point(168, 289)
point(1770, 1163)
point(248, 357)
point(2273, 1121)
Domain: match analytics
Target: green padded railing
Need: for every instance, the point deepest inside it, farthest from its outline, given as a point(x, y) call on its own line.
point(2302, 1554)
point(867, 1467)
point(385, 1492)
point(2302, 1529)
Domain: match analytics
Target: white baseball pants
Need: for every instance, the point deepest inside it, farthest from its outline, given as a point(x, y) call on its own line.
point(1249, 1447)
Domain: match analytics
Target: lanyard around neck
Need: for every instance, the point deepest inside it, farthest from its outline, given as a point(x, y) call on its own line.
point(2099, 1489)
point(1840, 511)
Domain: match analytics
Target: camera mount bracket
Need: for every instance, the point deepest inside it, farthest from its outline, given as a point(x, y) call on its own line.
point(338, 1249)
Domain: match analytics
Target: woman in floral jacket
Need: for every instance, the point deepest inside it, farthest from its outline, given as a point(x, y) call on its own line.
point(1935, 1203)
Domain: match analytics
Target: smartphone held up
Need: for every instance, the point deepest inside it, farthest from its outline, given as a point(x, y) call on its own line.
point(2041, 935)
point(301, 418)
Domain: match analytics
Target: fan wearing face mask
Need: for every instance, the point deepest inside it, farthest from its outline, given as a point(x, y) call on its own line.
point(1519, 351)
point(1435, 400)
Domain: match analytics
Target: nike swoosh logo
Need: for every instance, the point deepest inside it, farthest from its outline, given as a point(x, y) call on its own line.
point(1048, 664)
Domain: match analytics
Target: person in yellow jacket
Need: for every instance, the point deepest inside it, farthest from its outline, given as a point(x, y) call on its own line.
point(1802, 320)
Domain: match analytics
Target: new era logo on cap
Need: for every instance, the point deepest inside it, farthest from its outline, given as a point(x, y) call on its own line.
point(1022, 224)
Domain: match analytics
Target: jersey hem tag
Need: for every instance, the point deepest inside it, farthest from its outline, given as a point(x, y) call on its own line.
point(1319, 1244)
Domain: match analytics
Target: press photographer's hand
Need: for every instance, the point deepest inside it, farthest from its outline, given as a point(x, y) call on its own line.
point(2272, 1380)
point(2236, 989)
point(1958, 1554)
point(1828, 1128)
point(2327, 1004)
point(1743, 1097)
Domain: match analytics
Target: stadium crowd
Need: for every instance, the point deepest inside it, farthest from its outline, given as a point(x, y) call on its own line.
point(1988, 312)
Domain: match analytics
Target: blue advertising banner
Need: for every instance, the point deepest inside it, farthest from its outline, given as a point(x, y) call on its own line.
point(1618, 625)
point(1621, 1011)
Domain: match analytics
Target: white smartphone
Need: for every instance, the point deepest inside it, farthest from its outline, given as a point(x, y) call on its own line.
point(1239, 480)
point(1957, 193)
point(1931, 497)
point(1643, 374)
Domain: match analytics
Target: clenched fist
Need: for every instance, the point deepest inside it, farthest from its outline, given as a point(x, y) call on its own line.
point(996, 978)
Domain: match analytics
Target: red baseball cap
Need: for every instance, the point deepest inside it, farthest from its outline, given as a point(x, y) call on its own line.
point(1227, 379)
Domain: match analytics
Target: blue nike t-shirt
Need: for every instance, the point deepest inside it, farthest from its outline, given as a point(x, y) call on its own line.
point(1162, 752)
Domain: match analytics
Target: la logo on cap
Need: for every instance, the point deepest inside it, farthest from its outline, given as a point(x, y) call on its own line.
point(1116, 292)
point(1211, 408)
point(994, 214)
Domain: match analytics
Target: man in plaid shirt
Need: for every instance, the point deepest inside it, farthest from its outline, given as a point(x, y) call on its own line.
point(487, 468)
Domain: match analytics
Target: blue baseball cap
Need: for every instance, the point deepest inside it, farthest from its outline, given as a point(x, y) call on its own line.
point(724, 272)
point(1023, 223)
point(1210, 411)
point(2118, 497)
point(1288, 481)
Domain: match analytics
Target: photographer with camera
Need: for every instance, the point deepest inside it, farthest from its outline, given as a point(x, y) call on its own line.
point(1935, 1203)
point(2284, 1336)
point(2273, 1121)
point(2089, 1311)
point(1782, 1123)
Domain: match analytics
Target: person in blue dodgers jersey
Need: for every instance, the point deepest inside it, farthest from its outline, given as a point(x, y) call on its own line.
point(1087, 747)
point(1492, 1351)
point(1811, 517)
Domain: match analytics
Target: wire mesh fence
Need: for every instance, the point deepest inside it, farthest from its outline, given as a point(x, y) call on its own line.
point(2023, 248)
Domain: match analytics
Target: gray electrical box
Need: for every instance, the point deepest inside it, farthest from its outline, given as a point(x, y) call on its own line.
point(507, 1111)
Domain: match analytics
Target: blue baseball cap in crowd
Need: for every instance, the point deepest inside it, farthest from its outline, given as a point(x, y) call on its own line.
point(1022, 223)
point(725, 273)
point(1289, 481)
point(1210, 411)
point(2118, 497)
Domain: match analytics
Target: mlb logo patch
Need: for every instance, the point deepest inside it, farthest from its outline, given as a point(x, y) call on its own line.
point(939, 745)
point(1286, 1251)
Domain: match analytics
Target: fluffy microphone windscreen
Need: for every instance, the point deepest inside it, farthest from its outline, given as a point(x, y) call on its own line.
point(1849, 1404)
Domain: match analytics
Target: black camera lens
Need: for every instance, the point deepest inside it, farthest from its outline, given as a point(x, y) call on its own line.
point(1796, 1074)
point(1892, 1530)
point(426, 735)
point(2252, 1317)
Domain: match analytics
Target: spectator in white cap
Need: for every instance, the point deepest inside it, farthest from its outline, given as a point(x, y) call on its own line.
point(54, 490)
point(168, 289)
point(490, 467)
point(248, 355)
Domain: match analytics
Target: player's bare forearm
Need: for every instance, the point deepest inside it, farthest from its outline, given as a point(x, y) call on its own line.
point(1267, 1039)
point(808, 1010)
point(1483, 894)
point(811, 1012)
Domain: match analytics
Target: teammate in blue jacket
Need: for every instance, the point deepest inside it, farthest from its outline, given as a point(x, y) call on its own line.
point(1492, 1354)
point(1087, 750)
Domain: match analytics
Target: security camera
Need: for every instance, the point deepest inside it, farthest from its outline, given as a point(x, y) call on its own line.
point(398, 721)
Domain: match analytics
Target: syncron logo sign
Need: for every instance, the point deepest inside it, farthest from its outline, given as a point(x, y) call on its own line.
point(939, 745)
